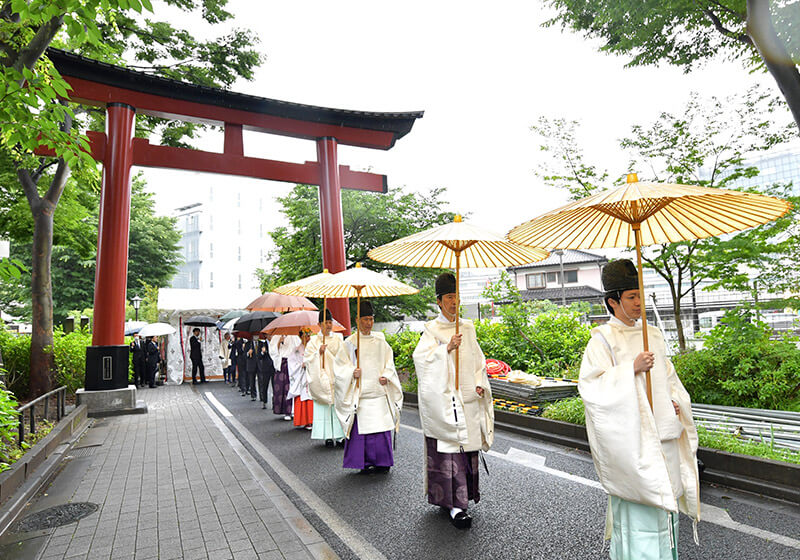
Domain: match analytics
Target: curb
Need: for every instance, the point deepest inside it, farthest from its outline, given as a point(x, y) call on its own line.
point(21, 483)
point(742, 472)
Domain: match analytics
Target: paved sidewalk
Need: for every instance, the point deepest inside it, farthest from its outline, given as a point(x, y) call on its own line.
point(172, 483)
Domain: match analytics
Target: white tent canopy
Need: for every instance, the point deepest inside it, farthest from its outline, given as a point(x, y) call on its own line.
point(176, 306)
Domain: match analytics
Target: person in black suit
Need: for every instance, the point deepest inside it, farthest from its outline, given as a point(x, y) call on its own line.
point(266, 369)
point(241, 362)
point(139, 361)
point(196, 355)
point(251, 349)
point(153, 357)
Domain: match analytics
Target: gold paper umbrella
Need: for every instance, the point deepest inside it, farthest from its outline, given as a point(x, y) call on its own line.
point(357, 282)
point(638, 214)
point(456, 245)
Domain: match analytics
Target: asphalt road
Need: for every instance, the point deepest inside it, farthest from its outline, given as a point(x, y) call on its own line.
point(538, 501)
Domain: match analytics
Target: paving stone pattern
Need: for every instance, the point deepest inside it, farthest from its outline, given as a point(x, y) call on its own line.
point(170, 486)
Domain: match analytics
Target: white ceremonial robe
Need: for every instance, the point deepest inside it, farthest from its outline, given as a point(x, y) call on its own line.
point(377, 406)
point(644, 457)
point(274, 353)
point(456, 417)
point(298, 380)
point(321, 380)
point(285, 349)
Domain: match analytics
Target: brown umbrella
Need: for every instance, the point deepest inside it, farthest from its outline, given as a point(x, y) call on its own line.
point(637, 214)
point(273, 301)
point(290, 323)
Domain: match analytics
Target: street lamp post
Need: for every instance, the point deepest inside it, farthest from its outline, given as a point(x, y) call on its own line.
point(136, 301)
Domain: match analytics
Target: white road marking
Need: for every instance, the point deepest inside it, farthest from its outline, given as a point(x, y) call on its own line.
point(218, 405)
point(351, 538)
point(709, 513)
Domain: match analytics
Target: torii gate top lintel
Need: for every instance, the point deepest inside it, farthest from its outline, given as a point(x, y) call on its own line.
point(98, 83)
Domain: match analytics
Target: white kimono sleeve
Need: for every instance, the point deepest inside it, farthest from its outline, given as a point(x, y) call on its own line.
point(440, 412)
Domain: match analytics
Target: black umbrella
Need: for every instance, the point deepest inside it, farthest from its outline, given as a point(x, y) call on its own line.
point(255, 321)
point(201, 321)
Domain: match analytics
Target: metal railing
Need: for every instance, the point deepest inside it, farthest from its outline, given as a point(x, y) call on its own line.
point(60, 394)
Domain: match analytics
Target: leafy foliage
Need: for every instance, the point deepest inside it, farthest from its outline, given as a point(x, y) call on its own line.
point(8, 426)
point(566, 410)
point(734, 443)
point(741, 366)
point(403, 345)
point(695, 146)
point(762, 34)
point(69, 353)
point(370, 220)
point(535, 337)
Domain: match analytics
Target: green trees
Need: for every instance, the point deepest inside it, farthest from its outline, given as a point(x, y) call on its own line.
point(33, 111)
point(697, 146)
point(370, 220)
point(741, 366)
point(760, 33)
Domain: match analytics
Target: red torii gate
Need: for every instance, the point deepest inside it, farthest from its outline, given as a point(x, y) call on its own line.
point(125, 92)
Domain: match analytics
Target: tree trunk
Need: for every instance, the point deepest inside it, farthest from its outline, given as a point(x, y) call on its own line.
point(42, 362)
point(676, 309)
point(777, 60)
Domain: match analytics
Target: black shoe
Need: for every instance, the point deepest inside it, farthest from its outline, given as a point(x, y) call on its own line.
point(462, 520)
point(194, 382)
point(152, 386)
point(329, 443)
point(382, 470)
point(252, 398)
point(263, 406)
point(340, 443)
point(366, 470)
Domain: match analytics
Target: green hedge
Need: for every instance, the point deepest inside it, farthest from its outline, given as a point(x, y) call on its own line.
point(69, 354)
point(8, 427)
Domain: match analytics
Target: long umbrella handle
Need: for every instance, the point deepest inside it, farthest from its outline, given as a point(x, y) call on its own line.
point(458, 311)
point(324, 318)
point(638, 235)
point(358, 336)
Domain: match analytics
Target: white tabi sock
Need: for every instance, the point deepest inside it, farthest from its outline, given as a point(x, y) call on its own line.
point(455, 511)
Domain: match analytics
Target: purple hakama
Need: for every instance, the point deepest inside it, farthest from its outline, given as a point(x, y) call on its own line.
point(452, 477)
point(365, 450)
point(280, 388)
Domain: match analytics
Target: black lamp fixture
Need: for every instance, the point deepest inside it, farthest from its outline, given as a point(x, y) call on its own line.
point(136, 301)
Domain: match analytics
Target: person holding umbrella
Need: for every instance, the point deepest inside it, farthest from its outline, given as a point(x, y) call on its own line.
point(368, 399)
point(645, 459)
point(251, 367)
point(324, 353)
point(239, 360)
point(457, 417)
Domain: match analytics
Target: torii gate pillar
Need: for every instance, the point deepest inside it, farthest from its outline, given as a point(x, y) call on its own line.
point(107, 358)
point(331, 222)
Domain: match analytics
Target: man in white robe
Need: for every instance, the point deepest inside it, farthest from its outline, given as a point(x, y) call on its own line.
point(457, 422)
point(645, 459)
point(368, 400)
point(324, 353)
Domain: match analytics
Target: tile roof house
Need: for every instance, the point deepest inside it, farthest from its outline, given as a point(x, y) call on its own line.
point(581, 277)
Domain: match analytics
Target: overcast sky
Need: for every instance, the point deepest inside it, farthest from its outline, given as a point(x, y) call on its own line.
point(482, 72)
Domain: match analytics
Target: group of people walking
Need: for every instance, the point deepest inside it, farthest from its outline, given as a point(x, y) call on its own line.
point(347, 392)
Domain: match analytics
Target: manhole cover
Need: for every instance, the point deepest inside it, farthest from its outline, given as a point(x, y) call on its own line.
point(55, 516)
